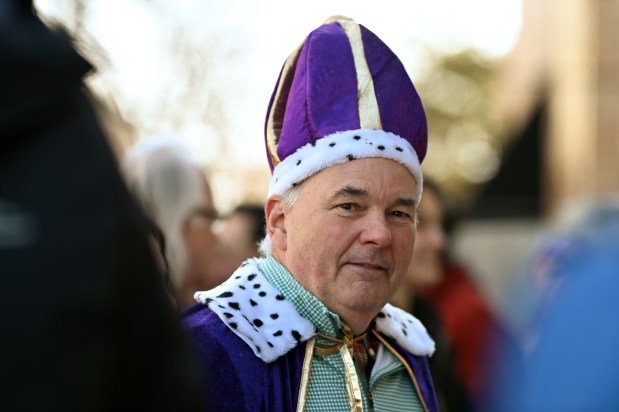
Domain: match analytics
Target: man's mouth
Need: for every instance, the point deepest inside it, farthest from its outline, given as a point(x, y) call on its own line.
point(369, 265)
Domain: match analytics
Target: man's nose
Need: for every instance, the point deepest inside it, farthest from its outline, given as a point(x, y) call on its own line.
point(375, 230)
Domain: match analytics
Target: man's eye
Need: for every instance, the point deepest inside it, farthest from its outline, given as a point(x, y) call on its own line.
point(399, 213)
point(347, 206)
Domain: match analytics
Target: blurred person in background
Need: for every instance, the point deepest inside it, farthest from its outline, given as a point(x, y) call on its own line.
point(86, 324)
point(476, 332)
point(426, 270)
point(174, 193)
point(571, 363)
point(244, 228)
point(239, 237)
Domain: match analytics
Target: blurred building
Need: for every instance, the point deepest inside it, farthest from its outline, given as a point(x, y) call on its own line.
point(559, 91)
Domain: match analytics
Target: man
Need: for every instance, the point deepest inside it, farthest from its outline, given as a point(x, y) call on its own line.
point(308, 327)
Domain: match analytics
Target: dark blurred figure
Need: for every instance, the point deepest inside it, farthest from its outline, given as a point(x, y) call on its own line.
point(425, 270)
point(86, 324)
point(573, 363)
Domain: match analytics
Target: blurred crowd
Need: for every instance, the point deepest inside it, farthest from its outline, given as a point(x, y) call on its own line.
point(99, 255)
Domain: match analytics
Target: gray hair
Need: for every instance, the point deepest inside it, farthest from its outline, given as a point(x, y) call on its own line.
point(289, 198)
point(170, 186)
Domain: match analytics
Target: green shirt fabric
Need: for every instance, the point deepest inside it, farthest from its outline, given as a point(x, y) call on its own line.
point(389, 388)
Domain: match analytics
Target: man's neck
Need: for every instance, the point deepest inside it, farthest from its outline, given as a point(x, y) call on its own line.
point(357, 323)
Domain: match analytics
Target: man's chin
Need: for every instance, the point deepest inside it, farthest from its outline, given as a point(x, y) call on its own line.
point(366, 301)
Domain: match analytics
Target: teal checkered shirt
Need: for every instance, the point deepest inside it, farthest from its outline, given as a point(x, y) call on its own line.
point(389, 387)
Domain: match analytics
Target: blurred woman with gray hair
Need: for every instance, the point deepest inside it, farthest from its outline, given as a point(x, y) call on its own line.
point(175, 195)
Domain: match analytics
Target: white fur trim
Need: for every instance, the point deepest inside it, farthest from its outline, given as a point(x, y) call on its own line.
point(257, 312)
point(232, 302)
point(336, 149)
point(405, 329)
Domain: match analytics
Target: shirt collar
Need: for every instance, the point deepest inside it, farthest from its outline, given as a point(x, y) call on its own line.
point(309, 306)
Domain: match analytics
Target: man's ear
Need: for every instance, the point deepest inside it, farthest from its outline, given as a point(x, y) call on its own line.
point(276, 222)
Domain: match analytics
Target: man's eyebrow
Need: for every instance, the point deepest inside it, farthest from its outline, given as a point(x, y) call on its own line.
point(350, 191)
point(406, 201)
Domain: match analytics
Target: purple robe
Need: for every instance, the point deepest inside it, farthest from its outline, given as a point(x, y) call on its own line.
point(237, 380)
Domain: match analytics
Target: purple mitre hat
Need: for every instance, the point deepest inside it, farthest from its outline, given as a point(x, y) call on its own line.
point(342, 95)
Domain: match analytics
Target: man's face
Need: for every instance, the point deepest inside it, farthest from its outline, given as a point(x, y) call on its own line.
point(349, 237)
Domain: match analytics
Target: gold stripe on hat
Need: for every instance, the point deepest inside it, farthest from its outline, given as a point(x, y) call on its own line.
point(276, 114)
point(369, 116)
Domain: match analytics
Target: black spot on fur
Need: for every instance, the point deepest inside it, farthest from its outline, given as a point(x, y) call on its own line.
point(226, 295)
point(280, 297)
point(237, 277)
point(381, 315)
point(252, 276)
point(228, 315)
point(234, 305)
point(381, 147)
point(262, 293)
point(257, 286)
point(296, 335)
point(252, 302)
point(258, 322)
point(295, 184)
point(274, 316)
point(241, 287)
point(356, 137)
point(270, 344)
point(404, 332)
point(331, 144)
point(278, 333)
point(350, 157)
point(258, 349)
point(399, 149)
point(233, 325)
point(298, 162)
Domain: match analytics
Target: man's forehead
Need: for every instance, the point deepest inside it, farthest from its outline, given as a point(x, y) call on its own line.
point(361, 189)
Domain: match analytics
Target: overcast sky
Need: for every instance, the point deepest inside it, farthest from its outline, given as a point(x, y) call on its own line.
point(258, 36)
